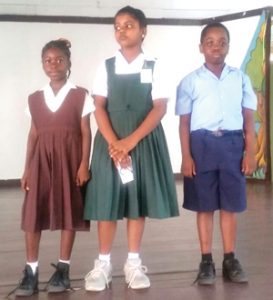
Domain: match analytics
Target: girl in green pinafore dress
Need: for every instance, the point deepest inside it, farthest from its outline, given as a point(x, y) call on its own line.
point(130, 102)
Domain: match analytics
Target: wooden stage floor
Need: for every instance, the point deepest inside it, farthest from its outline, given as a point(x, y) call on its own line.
point(170, 250)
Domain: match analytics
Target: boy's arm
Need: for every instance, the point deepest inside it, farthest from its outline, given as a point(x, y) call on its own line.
point(249, 163)
point(83, 171)
point(188, 165)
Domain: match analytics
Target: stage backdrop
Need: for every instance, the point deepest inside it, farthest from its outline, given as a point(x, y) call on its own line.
point(255, 65)
point(21, 71)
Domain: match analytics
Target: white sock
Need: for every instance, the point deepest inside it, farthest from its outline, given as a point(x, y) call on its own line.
point(105, 257)
point(33, 265)
point(64, 261)
point(133, 255)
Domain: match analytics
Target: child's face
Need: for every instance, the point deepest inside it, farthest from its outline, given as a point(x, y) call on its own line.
point(56, 64)
point(215, 46)
point(128, 31)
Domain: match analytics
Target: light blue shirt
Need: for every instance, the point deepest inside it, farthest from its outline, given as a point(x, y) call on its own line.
point(215, 103)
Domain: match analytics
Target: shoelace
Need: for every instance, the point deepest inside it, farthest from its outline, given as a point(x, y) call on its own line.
point(206, 268)
point(134, 271)
point(13, 291)
point(55, 277)
point(98, 269)
point(24, 280)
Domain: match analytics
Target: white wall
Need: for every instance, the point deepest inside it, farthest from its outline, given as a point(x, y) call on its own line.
point(194, 9)
point(21, 72)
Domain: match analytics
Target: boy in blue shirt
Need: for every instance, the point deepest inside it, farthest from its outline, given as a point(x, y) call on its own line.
point(216, 104)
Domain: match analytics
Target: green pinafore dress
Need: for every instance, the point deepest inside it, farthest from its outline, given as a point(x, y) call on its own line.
point(152, 193)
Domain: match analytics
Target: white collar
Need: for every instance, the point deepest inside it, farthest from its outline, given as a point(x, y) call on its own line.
point(144, 55)
point(67, 86)
point(54, 101)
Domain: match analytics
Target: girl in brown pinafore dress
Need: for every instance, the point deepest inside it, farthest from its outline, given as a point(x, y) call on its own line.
point(56, 166)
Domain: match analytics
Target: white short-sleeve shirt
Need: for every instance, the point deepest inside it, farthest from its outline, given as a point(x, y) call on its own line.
point(160, 89)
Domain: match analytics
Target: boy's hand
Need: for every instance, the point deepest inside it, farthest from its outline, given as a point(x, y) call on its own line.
point(248, 164)
point(188, 167)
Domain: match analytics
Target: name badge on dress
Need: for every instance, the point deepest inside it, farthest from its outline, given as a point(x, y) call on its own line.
point(146, 76)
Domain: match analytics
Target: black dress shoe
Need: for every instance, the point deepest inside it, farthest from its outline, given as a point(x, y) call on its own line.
point(233, 271)
point(206, 274)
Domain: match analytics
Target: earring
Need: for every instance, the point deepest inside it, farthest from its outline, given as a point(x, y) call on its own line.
point(143, 36)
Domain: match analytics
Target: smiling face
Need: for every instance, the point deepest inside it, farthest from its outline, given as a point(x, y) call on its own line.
point(128, 32)
point(215, 46)
point(56, 64)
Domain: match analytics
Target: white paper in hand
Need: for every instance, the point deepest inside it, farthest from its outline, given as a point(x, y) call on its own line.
point(126, 174)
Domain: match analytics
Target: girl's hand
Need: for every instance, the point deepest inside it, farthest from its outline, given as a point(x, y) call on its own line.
point(83, 175)
point(126, 162)
point(24, 182)
point(122, 160)
point(248, 164)
point(119, 149)
point(188, 167)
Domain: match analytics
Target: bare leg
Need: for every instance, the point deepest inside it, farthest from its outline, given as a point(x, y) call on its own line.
point(135, 230)
point(106, 232)
point(135, 276)
point(67, 241)
point(228, 224)
point(32, 240)
point(205, 231)
point(101, 275)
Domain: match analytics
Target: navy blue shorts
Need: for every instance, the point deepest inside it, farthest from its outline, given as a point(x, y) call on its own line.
point(219, 182)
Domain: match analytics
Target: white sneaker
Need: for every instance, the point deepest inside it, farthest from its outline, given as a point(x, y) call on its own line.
point(100, 277)
point(135, 274)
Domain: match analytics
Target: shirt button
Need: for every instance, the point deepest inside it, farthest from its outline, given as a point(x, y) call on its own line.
point(128, 106)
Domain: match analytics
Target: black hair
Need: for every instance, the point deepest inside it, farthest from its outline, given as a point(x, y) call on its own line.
point(61, 44)
point(213, 25)
point(135, 13)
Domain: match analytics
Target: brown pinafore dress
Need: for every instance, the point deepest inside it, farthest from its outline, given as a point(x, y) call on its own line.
point(53, 200)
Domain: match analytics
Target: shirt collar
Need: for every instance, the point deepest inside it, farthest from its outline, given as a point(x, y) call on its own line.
point(227, 69)
point(144, 55)
point(67, 86)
